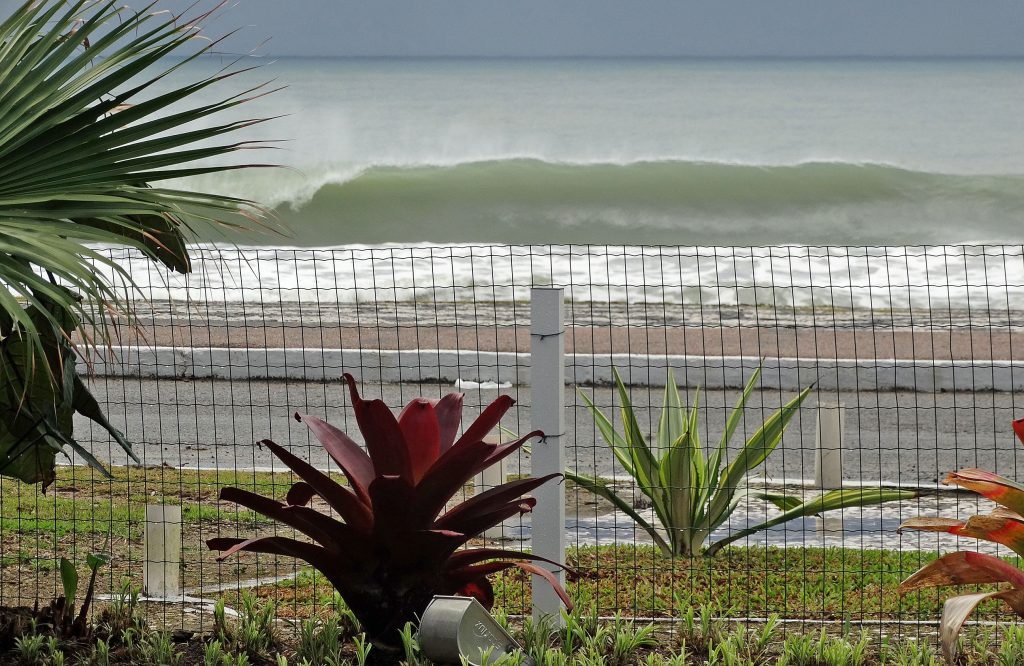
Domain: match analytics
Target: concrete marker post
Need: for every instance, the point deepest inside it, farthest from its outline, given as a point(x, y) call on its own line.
point(828, 459)
point(161, 568)
point(491, 477)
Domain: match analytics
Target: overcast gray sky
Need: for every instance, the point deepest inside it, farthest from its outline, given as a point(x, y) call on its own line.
point(628, 27)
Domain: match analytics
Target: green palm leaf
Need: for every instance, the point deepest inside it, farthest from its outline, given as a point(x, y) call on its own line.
point(85, 143)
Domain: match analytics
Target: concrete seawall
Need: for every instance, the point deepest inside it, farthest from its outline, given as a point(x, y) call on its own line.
point(442, 365)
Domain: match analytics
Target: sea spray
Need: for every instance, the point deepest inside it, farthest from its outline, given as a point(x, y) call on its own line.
point(715, 279)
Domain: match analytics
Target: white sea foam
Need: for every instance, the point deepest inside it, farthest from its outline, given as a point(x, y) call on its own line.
point(979, 278)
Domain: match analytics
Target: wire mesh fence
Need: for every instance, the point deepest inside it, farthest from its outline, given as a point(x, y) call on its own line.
point(918, 345)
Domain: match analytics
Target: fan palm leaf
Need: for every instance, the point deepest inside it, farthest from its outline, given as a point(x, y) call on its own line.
point(87, 139)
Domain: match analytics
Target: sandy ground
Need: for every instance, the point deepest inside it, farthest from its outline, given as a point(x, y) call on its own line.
point(618, 328)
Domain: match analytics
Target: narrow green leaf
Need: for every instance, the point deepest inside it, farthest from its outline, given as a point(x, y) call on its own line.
point(69, 579)
point(782, 502)
point(673, 421)
point(645, 468)
point(830, 501)
point(599, 488)
point(677, 478)
point(607, 430)
point(754, 452)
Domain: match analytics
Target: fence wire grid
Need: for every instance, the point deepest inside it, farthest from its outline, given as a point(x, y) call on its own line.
point(919, 345)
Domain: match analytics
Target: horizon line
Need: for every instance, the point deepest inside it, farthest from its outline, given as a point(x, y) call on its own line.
point(1019, 56)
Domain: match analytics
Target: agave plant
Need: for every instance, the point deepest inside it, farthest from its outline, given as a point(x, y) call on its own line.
point(397, 542)
point(84, 140)
point(1004, 525)
point(692, 492)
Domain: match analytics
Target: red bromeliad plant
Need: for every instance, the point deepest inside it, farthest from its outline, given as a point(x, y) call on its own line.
point(396, 545)
point(1005, 526)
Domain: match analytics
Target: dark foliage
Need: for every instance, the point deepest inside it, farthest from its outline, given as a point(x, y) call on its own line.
point(394, 543)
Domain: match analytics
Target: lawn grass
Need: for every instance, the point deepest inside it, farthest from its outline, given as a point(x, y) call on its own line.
point(794, 583)
point(82, 511)
point(82, 501)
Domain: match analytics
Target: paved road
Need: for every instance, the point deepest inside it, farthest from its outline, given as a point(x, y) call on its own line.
point(898, 437)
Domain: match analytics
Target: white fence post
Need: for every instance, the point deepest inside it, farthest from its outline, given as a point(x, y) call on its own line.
point(828, 458)
point(547, 387)
point(161, 568)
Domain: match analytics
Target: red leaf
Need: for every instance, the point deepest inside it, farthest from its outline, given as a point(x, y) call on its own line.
point(447, 476)
point(997, 488)
point(425, 550)
point(490, 500)
point(341, 499)
point(1002, 526)
point(328, 532)
point(504, 450)
point(300, 493)
point(479, 571)
point(454, 468)
point(274, 545)
point(475, 523)
point(352, 460)
point(1018, 429)
point(489, 418)
point(962, 568)
point(481, 590)
point(422, 434)
point(449, 415)
point(956, 610)
point(393, 500)
point(470, 556)
point(384, 440)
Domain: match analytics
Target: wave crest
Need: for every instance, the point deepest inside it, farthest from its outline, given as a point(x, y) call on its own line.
point(536, 201)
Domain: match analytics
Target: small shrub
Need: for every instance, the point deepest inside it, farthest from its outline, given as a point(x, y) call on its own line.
point(1011, 651)
point(101, 653)
point(254, 632)
point(30, 648)
point(627, 640)
point(157, 649)
point(319, 641)
point(910, 653)
point(397, 545)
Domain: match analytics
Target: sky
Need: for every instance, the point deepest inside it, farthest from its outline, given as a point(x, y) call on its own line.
point(538, 28)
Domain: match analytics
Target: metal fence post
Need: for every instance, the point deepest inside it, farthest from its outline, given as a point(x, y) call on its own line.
point(547, 387)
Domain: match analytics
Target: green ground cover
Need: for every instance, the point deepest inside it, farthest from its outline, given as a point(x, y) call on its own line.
point(796, 583)
point(81, 508)
point(82, 501)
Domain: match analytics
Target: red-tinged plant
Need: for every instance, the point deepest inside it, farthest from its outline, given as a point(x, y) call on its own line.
point(395, 545)
point(1004, 525)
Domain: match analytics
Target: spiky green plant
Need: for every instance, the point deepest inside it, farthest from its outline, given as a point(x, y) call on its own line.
point(85, 141)
point(694, 492)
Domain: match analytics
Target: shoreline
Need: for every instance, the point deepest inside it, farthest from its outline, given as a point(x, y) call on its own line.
point(591, 328)
point(971, 344)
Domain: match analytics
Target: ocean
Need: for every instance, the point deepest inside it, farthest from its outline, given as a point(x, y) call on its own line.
point(424, 155)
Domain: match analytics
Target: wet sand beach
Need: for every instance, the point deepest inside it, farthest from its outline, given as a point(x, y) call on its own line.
point(590, 328)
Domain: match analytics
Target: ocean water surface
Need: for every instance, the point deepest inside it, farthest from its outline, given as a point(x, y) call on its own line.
point(700, 153)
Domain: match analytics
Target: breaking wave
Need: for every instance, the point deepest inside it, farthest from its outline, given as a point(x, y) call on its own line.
point(526, 200)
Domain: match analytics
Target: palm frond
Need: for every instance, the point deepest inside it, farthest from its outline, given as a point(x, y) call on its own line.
point(86, 139)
